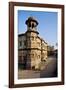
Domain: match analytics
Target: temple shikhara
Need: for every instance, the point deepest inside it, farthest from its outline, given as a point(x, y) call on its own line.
point(32, 49)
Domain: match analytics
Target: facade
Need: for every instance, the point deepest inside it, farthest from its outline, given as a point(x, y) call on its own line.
point(32, 49)
point(50, 50)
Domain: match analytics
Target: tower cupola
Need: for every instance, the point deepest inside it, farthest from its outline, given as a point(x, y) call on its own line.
point(31, 23)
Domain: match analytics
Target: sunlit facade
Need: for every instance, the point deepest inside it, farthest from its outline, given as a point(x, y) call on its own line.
point(32, 49)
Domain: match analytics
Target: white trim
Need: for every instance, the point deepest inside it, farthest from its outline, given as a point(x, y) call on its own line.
point(20, 81)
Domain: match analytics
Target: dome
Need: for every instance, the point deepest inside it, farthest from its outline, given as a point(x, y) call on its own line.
point(31, 19)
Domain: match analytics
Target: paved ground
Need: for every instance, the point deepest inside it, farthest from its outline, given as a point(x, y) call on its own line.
point(50, 70)
point(28, 74)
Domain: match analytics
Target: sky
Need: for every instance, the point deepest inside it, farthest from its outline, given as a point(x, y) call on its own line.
point(47, 26)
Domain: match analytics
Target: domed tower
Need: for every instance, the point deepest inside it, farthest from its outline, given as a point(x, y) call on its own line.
point(31, 32)
point(31, 23)
point(31, 37)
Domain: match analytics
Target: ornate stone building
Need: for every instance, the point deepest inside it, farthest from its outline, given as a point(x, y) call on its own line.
point(50, 50)
point(32, 49)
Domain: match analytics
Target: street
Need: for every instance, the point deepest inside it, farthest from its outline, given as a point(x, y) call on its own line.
point(50, 70)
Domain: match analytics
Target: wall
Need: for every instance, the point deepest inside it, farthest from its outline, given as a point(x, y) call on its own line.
point(4, 45)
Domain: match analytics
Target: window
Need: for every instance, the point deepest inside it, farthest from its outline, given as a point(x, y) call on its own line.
point(32, 25)
point(32, 38)
point(33, 67)
point(29, 24)
point(38, 56)
point(24, 43)
point(28, 38)
point(32, 55)
point(20, 43)
point(39, 44)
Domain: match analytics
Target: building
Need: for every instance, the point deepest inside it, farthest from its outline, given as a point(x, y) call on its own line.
point(50, 50)
point(32, 49)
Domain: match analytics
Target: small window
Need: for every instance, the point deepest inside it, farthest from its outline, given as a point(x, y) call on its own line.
point(29, 25)
point(20, 43)
point(33, 67)
point(32, 55)
point(32, 25)
point(28, 38)
point(32, 38)
point(39, 44)
point(38, 56)
point(24, 43)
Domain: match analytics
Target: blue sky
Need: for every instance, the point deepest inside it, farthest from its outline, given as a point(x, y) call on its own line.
point(47, 26)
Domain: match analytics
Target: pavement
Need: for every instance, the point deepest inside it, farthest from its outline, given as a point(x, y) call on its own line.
point(28, 74)
point(50, 70)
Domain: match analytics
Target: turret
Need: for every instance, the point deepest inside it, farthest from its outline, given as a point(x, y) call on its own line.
point(31, 23)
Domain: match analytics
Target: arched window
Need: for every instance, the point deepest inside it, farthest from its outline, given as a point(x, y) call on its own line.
point(29, 24)
point(32, 25)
